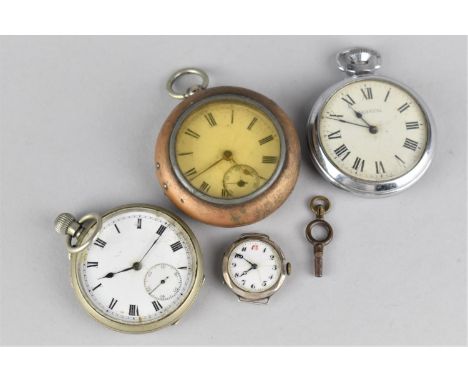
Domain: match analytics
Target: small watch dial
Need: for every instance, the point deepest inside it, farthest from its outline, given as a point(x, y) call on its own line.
point(140, 268)
point(373, 130)
point(163, 281)
point(227, 149)
point(254, 266)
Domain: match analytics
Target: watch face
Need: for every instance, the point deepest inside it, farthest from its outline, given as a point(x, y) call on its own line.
point(227, 148)
point(373, 130)
point(140, 268)
point(254, 266)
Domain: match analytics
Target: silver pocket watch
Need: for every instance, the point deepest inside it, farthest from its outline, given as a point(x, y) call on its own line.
point(369, 134)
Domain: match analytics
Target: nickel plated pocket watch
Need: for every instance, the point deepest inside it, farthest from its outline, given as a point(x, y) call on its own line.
point(226, 156)
point(254, 268)
point(136, 269)
point(369, 134)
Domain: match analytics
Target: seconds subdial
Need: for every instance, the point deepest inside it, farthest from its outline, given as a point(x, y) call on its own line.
point(163, 281)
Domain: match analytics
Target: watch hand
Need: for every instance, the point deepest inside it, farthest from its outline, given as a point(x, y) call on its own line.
point(252, 264)
point(247, 271)
point(157, 286)
point(112, 274)
point(227, 155)
point(208, 168)
point(152, 245)
point(351, 123)
point(372, 129)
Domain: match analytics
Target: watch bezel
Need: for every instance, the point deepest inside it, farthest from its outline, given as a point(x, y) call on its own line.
point(254, 296)
point(235, 98)
point(229, 214)
point(352, 184)
point(76, 260)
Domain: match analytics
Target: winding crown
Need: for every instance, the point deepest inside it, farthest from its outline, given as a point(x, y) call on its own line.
point(63, 222)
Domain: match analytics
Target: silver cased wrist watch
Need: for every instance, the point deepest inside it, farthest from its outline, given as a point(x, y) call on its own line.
point(272, 282)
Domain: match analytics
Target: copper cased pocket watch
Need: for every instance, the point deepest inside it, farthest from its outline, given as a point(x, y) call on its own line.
point(226, 156)
point(369, 134)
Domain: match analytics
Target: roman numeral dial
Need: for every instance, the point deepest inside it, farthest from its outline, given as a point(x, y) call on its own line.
point(219, 135)
point(373, 130)
point(141, 268)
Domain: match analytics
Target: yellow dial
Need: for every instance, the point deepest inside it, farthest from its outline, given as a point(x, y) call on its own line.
point(228, 148)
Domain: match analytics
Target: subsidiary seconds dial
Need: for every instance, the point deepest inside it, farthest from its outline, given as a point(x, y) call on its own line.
point(373, 130)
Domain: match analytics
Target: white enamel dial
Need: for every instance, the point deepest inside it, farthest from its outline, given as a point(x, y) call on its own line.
point(254, 266)
point(373, 130)
point(140, 268)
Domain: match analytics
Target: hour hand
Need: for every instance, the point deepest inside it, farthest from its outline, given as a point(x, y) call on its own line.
point(112, 274)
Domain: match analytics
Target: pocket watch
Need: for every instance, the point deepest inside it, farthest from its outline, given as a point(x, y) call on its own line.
point(369, 134)
point(226, 156)
point(137, 268)
point(254, 267)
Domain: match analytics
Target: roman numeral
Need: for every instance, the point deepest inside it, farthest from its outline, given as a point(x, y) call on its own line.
point(182, 268)
point(112, 303)
point(358, 162)
point(367, 93)
point(190, 172)
point(161, 230)
point(252, 123)
point(139, 223)
point(91, 264)
point(342, 150)
point(337, 115)
point(232, 117)
point(269, 159)
point(133, 310)
point(156, 305)
point(266, 139)
point(386, 97)
point(117, 228)
point(403, 107)
point(379, 168)
point(97, 286)
point(182, 154)
point(225, 193)
point(209, 117)
point(335, 135)
point(205, 187)
point(176, 246)
point(398, 158)
point(100, 243)
point(192, 133)
point(348, 100)
point(412, 125)
point(410, 144)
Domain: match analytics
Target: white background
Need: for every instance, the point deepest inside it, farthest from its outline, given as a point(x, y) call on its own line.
point(79, 121)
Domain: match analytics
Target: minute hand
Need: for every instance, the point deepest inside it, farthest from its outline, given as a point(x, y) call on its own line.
point(351, 123)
